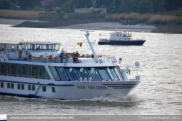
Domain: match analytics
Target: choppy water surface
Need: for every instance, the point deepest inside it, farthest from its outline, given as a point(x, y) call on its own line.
point(160, 91)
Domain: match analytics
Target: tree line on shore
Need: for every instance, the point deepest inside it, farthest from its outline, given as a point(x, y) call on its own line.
point(113, 6)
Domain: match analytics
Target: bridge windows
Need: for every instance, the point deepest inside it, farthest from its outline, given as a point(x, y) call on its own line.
point(112, 73)
point(72, 73)
point(94, 73)
point(103, 73)
point(118, 73)
point(62, 74)
point(54, 73)
point(82, 72)
point(45, 74)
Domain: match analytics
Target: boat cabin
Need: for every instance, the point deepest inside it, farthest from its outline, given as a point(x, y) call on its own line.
point(117, 36)
point(22, 49)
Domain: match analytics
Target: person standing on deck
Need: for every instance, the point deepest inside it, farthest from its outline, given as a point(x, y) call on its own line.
point(61, 55)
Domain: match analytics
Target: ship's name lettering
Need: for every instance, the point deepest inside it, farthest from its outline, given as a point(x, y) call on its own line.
point(97, 87)
point(92, 87)
point(81, 87)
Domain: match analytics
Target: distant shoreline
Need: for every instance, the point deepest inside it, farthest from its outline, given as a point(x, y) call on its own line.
point(95, 25)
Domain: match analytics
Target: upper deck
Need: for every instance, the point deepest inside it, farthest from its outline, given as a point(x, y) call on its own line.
point(20, 50)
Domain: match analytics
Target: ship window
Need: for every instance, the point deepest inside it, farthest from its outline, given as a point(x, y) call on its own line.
point(118, 73)
point(29, 87)
point(82, 72)
point(57, 47)
point(45, 74)
point(34, 71)
point(12, 48)
point(29, 47)
point(12, 86)
point(53, 90)
point(55, 74)
point(33, 87)
point(50, 47)
point(36, 47)
point(8, 85)
point(13, 69)
point(62, 73)
point(18, 86)
point(72, 73)
point(103, 73)
point(2, 85)
point(7, 69)
point(43, 47)
point(23, 70)
point(39, 73)
point(2, 68)
point(22, 86)
point(44, 88)
point(24, 47)
point(112, 73)
point(17, 70)
point(29, 71)
point(94, 73)
point(7, 47)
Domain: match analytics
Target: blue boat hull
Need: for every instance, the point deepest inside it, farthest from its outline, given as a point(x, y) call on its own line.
point(134, 42)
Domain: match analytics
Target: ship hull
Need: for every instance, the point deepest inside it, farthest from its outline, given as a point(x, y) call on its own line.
point(134, 42)
point(68, 90)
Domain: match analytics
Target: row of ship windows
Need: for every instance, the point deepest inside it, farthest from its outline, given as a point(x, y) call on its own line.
point(22, 70)
point(13, 48)
point(22, 87)
point(60, 73)
point(96, 74)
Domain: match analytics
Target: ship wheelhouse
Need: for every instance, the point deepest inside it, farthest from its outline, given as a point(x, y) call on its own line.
point(22, 49)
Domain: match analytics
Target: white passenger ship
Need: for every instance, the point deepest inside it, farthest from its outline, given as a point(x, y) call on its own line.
point(43, 75)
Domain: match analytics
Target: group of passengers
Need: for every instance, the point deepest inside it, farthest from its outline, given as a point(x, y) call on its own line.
point(74, 55)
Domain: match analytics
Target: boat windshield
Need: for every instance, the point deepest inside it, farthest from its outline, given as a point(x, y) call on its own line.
point(94, 73)
point(82, 72)
point(72, 73)
point(112, 73)
point(104, 74)
point(118, 73)
point(62, 73)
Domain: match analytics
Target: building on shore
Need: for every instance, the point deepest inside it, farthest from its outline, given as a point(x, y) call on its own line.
point(90, 10)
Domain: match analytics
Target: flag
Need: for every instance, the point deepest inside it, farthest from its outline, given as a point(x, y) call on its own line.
point(80, 44)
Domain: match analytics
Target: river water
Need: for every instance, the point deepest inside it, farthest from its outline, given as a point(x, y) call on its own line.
point(160, 90)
